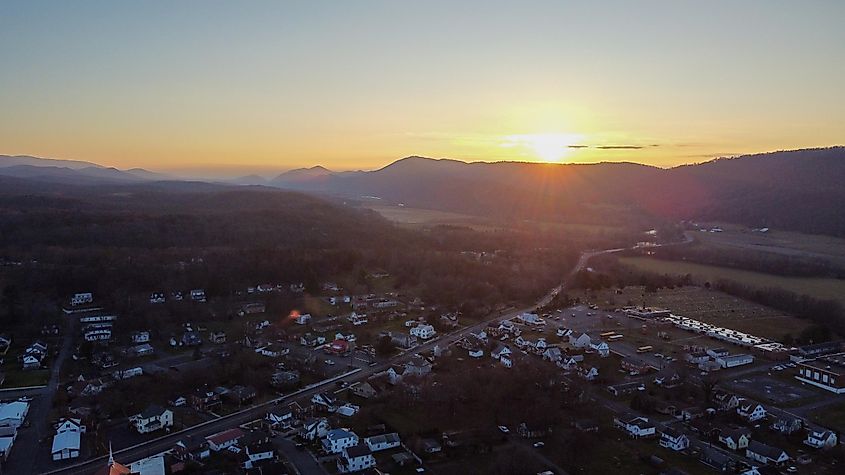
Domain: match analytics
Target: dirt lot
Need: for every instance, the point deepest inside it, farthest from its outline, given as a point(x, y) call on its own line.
point(712, 307)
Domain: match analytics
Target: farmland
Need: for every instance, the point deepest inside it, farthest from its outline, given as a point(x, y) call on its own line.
point(822, 288)
point(713, 307)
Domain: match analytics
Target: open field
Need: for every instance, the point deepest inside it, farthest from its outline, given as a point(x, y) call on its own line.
point(712, 307)
point(778, 242)
point(829, 289)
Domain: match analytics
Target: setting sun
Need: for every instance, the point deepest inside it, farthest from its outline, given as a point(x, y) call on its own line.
point(545, 147)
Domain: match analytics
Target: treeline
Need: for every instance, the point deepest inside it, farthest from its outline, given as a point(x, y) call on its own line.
point(765, 262)
point(224, 242)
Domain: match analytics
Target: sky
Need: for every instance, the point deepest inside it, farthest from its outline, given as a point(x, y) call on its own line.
point(259, 86)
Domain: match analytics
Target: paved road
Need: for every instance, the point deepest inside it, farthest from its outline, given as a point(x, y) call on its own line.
point(166, 442)
point(303, 460)
point(26, 448)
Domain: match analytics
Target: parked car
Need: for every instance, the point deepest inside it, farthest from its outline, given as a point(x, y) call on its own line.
point(539, 445)
point(504, 429)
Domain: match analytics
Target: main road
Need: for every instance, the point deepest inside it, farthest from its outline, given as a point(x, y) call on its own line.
point(205, 429)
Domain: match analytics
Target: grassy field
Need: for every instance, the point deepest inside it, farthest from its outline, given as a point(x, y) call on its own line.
point(428, 217)
point(778, 242)
point(833, 289)
point(712, 307)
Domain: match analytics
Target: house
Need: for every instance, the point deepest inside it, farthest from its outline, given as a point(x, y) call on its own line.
point(475, 353)
point(786, 424)
point(506, 361)
point(423, 332)
point(280, 418)
point(190, 338)
point(241, 394)
point(378, 443)
point(253, 454)
point(732, 361)
point(358, 319)
point(127, 373)
point(66, 445)
point(178, 401)
point(364, 390)
point(69, 424)
point(690, 413)
point(819, 349)
point(139, 351)
point(348, 410)
point(601, 347)
point(224, 440)
point(417, 366)
point(697, 358)
point(500, 351)
point(284, 378)
point(735, 439)
point(403, 340)
point(151, 419)
point(635, 366)
point(751, 411)
point(8, 435)
point(273, 350)
point(315, 428)
point(140, 337)
point(588, 374)
point(635, 426)
point(531, 319)
point(205, 400)
point(580, 341)
point(217, 337)
point(31, 362)
point(766, 454)
point(325, 401)
point(430, 446)
point(673, 440)
point(716, 459)
point(725, 401)
point(356, 458)
point(819, 438)
point(626, 388)
point(552, 354)
point(338, 439)
point(12, 414)
point(157, 297)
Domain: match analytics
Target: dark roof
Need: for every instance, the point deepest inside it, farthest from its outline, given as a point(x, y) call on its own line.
point(152, 410)
point(765, 450)
point(359, 450)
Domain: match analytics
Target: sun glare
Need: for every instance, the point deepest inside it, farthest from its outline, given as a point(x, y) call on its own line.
point(545, 147)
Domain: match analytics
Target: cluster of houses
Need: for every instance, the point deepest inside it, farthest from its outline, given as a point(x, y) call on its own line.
point(196, 295)
point(12, 417)
point(712, 359)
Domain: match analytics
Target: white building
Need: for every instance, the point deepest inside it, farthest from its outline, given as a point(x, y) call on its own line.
point(383, 442)
point(13, 414)
point(356, 458)
point(751, 411)
point(152, 419)
point(338, 439)
point(141, 337)
point(423, 332)
point(82, 298)
point(731, 361)
point(673, 440)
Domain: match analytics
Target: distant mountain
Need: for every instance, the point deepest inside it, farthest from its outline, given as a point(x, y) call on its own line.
point(71, 171)
point(303, 175)
point(248, 180)
point(799, 189)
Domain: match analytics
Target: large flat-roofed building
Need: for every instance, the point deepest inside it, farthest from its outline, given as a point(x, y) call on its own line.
point(647, 312)
point(826, 372)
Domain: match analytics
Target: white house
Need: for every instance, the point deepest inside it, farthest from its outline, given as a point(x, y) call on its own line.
point(280, 419)
point(198, 295)
point(152, 419)
point(338, 439)
point(256, 452)
point(302, 319)
point(530, 319)
point(635, 426)
point(499, 351)
point(601, 347)
point(356, 458)
point(423, 332)
point(751, 411)
point(358, 319)
point(552, 354)
point(12, 414)
point(766, 454)
point(313, 429)
point(580, 341)
point(348, 409)
point(224, 440)
point(66, 445)
point(735, 439)
point(31, 362)
point(673, 440)
point(821, 439)
point(506, 361)
point(383, 442)
point(476, 353)
point(324, 400)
